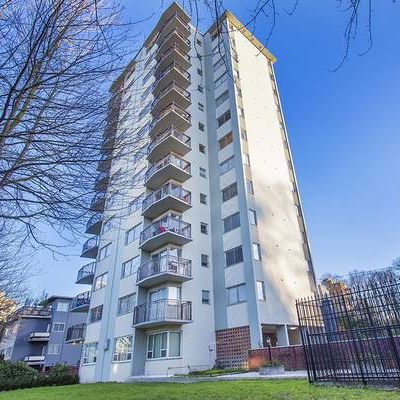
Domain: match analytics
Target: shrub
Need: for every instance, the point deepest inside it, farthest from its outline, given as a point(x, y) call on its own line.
point(15, 370)
point(272, 363)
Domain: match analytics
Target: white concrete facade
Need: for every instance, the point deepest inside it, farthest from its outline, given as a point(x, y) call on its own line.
point(180, 297)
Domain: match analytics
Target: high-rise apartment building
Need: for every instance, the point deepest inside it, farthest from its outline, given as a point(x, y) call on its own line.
point(199, 240)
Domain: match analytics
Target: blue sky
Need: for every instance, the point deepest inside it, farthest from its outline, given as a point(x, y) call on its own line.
point(343, 128)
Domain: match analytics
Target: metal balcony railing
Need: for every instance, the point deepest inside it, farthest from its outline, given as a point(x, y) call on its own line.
point(97, 199)
point(170, 159)
point(167, 264)
point(170, 132)
point(177, 32)
point(76, 333)
point(81, 301)
point(167, 224)
point(33, 311)
point(172, 86)
point(170, 67)
point(36, 336)
point(94, 219)
point(86, 271)
point(163, 310)
point(169, 189)
point(178, 18)
point(89, 249)
point(173, 107)
point(171, 49)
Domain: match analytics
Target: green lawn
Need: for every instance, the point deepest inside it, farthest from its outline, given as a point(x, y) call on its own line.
point(243, 390)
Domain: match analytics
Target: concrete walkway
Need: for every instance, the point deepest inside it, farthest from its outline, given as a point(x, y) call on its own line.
point(229, 377)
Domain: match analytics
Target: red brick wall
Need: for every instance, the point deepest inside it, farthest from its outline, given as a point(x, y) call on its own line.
point(292, 357)
point(233, 347)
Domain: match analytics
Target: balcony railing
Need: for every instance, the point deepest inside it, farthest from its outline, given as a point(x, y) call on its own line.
point(89, 249)
point(97, 203)
point(172, 86)
point(170, 132)
point(33, 312)
point(94, 224)
point(34, 360)
point(81, 302)
point(39, 336)
point(174, 31)
point(168, 264)
point(174, 48)
point(169, 189)
point(76, 333)
point(170, 159)
point(173, 107)
point(178, 18)
point(86, 274)
point(167, 224)
point(163, 311)
point(173, 66)
point(102, 179)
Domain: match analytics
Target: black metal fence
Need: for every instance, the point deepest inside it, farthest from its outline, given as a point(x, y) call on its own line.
point(353, 335)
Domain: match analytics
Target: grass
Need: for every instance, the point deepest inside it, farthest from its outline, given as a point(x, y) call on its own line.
point(215, 372)
point(236, 390)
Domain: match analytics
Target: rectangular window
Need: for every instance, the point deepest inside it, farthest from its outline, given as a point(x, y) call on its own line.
point(126, 304)
point(145, 110)
point(236, 294)
point(252, 217)
point(220, 80)
point(225, 140)
point(204, 260)
point(202, 148)
point(95, 314)
point(221, 98)
point(203, 228)
point(104, 251)
point(203, 198)
point(226, 165)
point(100, 281)
point(89, 353)
point(243, 134)
point(108, 224)
point(63, 306)
point(201, 126)
point(146, 92)
point(203, 172)
point(163, 345)
point(200, 88)
point(199, 71)
point(123, 348)
point(198, 41)
point(233, 256)
point(136, 204)
point(148, 75)
point(130, 267)
point(219, 63)
point(200, 106)
point(205, 297)
point(133, 234)
point(256, 251)
point(226, 116)
point(58, 326)
point(229, 192)
point(54, 348)
point(232, 222)
point(260, 290)
point(246, 159)
point(249, 186)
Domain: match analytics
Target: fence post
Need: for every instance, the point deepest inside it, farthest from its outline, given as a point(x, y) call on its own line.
point(314, 372)
point(393, 343)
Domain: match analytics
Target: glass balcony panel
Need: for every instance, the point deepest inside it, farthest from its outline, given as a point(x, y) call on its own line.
point(171, 93)
point(86, 274)
point(94, 223)
point(90, 248)
point(173, 53)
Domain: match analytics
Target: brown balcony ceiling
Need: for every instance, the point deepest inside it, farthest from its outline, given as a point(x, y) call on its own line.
point(171, 54)
point(171, 93)
point(174, 36)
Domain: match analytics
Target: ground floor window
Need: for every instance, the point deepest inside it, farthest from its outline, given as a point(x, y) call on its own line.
point(123, 348)
point(163, 345)
point(89, 353)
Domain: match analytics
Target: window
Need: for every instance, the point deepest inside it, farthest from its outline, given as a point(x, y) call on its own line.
point(200, 88)
point(198, 41)
point(136, 204)
point(122, 348)
point(233, 256)
point(199, 71)
point(108, 224)
point(243, 134)
point(148, 75)
point(58, 327)
point(226, 116)
point(249, 186)
point(95, 314)
point(218, 64)
point(205, 297)
point(236, 294)
point(200, 106)
point(229, 192)
point(232, 222)
point(203, 198)
point(204, 260)
point(260, 290)
point(203, 172)
point(214, 35)
point(132, 234)
point(241, 112)
point(226, 165)
point(201, 126)
point(104, 251)
point(202, 148)
point(63, 306)
point(252, 217)
point(126, 304)
point(220, 80)
point(246, 158)
point(256, 251)
point(203, 228)
point(145, 110)
point(221, 98)
point(163, 345)
point(100, 281)
point(130, 267)
point(225, 140)
point(54, 348)
point(146, 92)
point(89, 353)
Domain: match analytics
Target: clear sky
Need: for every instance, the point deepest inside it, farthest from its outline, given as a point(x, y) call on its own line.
point(344, 130)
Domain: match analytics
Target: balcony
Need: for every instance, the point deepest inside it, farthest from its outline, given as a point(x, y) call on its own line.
point(173, 36)
point(171, 140)
point(162, 312)
point(34, 360)
point(81, 302)
point(39, 336)
point(108, 145)
point(172, 115)
point(94, 223)
point(104, 163)
point(76, 334)
point(168, 197)
point(171, 73)
point(98, 202)
point(33, 312)
point(172, 93)
point(176, 20)
point(173, 53)
point(90, 248)
point(86, 274)
point(102, 180)
point(166, 268)
point(167, 230)
point(169, 167)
